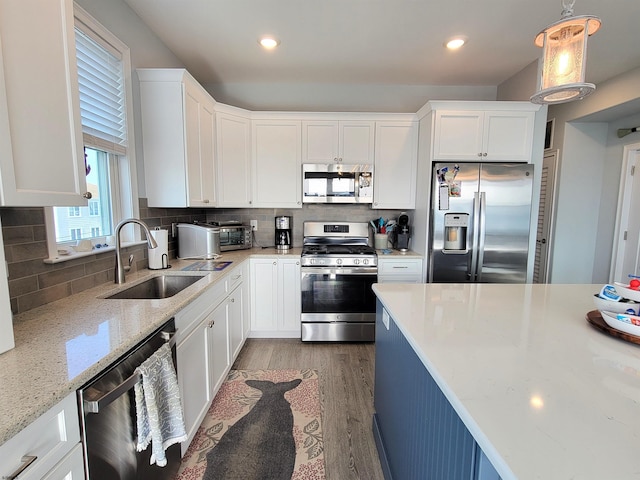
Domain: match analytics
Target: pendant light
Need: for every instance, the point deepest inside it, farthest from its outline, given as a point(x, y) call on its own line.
point(564, 55)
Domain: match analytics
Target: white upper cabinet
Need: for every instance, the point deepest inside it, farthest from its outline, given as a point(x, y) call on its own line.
point(396, 156)
point(483, 135)
point(277, 163)
point(41, 149)
point(348, 141)
point(233, 147)
point(178, 128)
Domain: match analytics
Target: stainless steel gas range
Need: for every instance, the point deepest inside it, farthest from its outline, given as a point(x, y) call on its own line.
point(338, 267)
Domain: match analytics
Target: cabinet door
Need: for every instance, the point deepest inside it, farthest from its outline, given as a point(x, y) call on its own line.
point(277, 164)
point(289, 298)
point(233, 160)
point(396, 164)
point(458, 135)
point(70, 468)
point(194, 378)
point(43, 109)
point(199, 145)
point(356, 142)
point(320, 142)
point(264, 294)
point(236, 321)
point(218, 346)
point(508, 136)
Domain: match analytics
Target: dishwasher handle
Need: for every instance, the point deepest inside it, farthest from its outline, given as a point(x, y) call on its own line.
point(94, 406)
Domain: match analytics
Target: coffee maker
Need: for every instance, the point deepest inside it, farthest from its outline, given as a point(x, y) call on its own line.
point(401, 233)
point(283, 233)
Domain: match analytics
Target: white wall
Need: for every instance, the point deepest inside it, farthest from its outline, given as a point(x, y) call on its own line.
point(326, 97)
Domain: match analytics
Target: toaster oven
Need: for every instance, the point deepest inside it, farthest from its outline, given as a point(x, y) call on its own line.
point(234, 236)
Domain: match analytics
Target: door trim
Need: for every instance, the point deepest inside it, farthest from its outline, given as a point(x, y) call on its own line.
point(623, 211)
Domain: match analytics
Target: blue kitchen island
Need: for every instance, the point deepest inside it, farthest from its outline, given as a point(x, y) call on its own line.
point(479, 381)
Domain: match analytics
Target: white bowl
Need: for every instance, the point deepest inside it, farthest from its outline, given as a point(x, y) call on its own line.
point(625, 323)
point(626, 292)
point(616, 307)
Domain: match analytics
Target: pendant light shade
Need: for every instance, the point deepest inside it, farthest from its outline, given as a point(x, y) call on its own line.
point(564, 54)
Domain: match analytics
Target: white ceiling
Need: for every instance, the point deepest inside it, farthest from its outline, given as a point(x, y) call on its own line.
point(379, 42)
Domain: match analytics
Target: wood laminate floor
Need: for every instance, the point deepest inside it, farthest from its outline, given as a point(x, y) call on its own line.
point(346, 386)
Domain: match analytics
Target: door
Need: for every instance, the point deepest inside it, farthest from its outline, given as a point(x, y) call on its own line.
point(545, 217)
point(453, 196)
point(505, 215)
point(627, 245)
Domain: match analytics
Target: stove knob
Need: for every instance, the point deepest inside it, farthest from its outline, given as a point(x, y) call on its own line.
point(365, 261)
point(339, 261)
point(356, 261)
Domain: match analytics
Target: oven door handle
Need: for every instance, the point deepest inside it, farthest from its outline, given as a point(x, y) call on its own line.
point(94, 406)
point(339, 271)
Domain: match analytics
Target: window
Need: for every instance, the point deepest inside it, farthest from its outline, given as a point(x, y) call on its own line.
point(104, 73)
point(94, 208)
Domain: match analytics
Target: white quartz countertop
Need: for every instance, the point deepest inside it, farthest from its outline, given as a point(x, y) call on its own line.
point(62, 345)
point(545, 394)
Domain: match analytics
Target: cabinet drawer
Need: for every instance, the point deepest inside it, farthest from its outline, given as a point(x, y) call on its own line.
point(234, 279)
point(191, 315)
point(49, 438)
point(399, 267)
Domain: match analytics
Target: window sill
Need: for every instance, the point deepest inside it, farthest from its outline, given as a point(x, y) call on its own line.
point(95, 251)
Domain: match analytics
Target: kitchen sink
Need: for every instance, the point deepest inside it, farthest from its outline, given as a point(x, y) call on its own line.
point(162, 286)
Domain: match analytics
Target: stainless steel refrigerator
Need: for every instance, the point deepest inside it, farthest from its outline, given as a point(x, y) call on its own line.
point(480, 219)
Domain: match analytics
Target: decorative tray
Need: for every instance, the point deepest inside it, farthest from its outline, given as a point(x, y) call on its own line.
point(595, 318)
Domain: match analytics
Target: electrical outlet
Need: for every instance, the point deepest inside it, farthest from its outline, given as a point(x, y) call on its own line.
point(254, 225)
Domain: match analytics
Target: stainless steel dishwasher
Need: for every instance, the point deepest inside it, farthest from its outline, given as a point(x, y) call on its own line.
point(108, 418)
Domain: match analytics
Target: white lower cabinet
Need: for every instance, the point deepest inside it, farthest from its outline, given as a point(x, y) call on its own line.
point(70, 468)
point(275, 297)
point(51, 446)
point(211, 333)
point(399, 270)
point(218, 323)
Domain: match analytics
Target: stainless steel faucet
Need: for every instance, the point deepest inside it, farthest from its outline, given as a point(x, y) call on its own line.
point(151, 242)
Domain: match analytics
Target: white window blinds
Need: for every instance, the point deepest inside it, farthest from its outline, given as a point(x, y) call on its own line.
point(102, 96)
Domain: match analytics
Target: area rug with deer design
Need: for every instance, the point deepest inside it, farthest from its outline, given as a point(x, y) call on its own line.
point(262, 424)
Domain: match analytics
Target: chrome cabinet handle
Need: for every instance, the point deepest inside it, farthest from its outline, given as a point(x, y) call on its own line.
point(27, 460)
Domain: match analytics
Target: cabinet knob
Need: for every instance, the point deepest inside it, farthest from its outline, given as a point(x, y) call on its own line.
point(212, 323)
point(205, 200)
point(275, 263)
point(299, 203)
point(484, 154)
point(233, 300)
point(87, 195)
point(479, 154)
point(297, 263)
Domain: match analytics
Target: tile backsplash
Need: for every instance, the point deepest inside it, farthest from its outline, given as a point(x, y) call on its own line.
point(33, 283)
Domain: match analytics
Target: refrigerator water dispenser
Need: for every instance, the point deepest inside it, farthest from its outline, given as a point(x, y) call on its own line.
point(455, 232)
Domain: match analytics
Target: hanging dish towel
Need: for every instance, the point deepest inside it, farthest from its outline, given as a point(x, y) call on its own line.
point(158, 407)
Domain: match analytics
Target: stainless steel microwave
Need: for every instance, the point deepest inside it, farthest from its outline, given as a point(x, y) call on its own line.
point(337, 183)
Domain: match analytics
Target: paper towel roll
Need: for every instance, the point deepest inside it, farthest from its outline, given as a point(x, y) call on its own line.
point(159, 256)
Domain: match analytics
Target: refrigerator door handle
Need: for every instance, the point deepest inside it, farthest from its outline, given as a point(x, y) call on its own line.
point(481, 235)
point(473, 268)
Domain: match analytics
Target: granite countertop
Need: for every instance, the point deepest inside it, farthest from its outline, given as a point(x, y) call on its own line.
point(544, 393)
point(62, 345)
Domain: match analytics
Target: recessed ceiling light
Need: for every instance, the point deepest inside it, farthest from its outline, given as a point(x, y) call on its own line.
point(269, 42)
point(455, 43)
